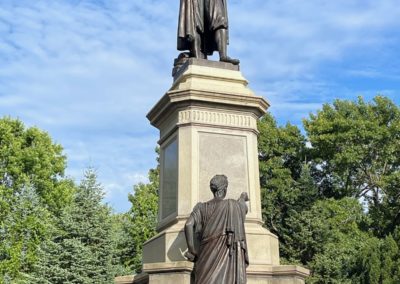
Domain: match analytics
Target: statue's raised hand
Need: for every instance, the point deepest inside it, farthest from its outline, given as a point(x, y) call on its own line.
point(244, 196)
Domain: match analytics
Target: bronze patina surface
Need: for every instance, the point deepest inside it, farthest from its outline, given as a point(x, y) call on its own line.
point(216, 237)
point(203, 28)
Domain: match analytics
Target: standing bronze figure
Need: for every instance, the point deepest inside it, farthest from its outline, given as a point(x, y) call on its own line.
point(203, 28)
point(218, 227)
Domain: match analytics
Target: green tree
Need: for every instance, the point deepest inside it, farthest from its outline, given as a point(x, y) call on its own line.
point(32, 188)
point(81, 249)
point(356, 152)
point(287, 186)
point(30, 158)
point(293, 249)
point(312, 194)
point(122, 244)
point(322, 234)
point(23, 229)
point(141, 221)
point(378, 262)
point(280, 158)
point(327, 237)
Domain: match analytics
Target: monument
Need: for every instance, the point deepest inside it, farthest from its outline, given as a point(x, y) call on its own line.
point(208, 125)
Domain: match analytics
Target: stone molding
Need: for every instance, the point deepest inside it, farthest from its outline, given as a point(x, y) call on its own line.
point(174, 100)
point(278, 270)
point(206, 78)
point(142, 278)
point(168, 267)
point(216, 118)
point(267, 271)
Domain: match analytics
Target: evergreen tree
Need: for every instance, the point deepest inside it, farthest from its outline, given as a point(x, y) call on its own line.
point(81, 250)
point(123, 244)
point(23, 229)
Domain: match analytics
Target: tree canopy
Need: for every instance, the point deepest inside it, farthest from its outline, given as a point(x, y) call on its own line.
point(142, 219)
point(32, 189)
point(332, 194)
point(81, 249)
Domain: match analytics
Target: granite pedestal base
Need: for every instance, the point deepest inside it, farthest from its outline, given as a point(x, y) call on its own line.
point(180, 273)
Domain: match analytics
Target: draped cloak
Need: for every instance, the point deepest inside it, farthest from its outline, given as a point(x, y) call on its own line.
point(203, 17)
point(222, 255)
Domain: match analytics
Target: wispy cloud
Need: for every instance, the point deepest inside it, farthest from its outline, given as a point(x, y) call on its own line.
point(88, 71)
point(292, 39)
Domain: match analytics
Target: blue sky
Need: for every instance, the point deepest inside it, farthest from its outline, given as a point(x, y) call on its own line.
point(88, 71)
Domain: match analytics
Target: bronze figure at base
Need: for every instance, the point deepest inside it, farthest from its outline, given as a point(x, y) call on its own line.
point(216, 237)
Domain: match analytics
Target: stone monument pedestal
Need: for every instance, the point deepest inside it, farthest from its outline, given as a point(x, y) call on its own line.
point(208, 126)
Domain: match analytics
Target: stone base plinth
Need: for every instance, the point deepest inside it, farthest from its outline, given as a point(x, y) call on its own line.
point(279, 274)
point(169, 273)
point(180, 273)
point(130, 279)
point(169, 246)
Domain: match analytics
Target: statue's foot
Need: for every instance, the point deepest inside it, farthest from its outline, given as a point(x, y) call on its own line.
point(230, 60)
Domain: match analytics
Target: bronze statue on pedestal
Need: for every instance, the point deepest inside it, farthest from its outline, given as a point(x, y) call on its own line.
point(218, 228)
point(203, 29)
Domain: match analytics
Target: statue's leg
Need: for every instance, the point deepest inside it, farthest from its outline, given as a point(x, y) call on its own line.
point(196, 46)
point(222, 45)
point(220, 39)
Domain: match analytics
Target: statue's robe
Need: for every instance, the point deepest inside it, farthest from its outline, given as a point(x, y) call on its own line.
point(203, 17)
point(222, 255)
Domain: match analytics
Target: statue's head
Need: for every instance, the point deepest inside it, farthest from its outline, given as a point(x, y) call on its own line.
point(219, 185)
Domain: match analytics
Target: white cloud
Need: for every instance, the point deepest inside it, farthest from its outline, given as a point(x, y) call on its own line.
point(289, 39)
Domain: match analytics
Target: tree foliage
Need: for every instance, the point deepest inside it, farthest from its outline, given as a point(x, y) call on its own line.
point(139, 223)
point(28, 157)
point(286, 184)
point(22, 231)
point(32, 189)
point(81, 248)
point(53, 231)
point(356, 152)
point(378, 261)
point(327, 238)
point(334, 200)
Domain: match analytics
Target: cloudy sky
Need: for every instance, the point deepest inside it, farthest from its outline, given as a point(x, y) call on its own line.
point(88, 71)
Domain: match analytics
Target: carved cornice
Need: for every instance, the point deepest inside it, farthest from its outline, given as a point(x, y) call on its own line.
point(178, 99)
point(216, 118)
